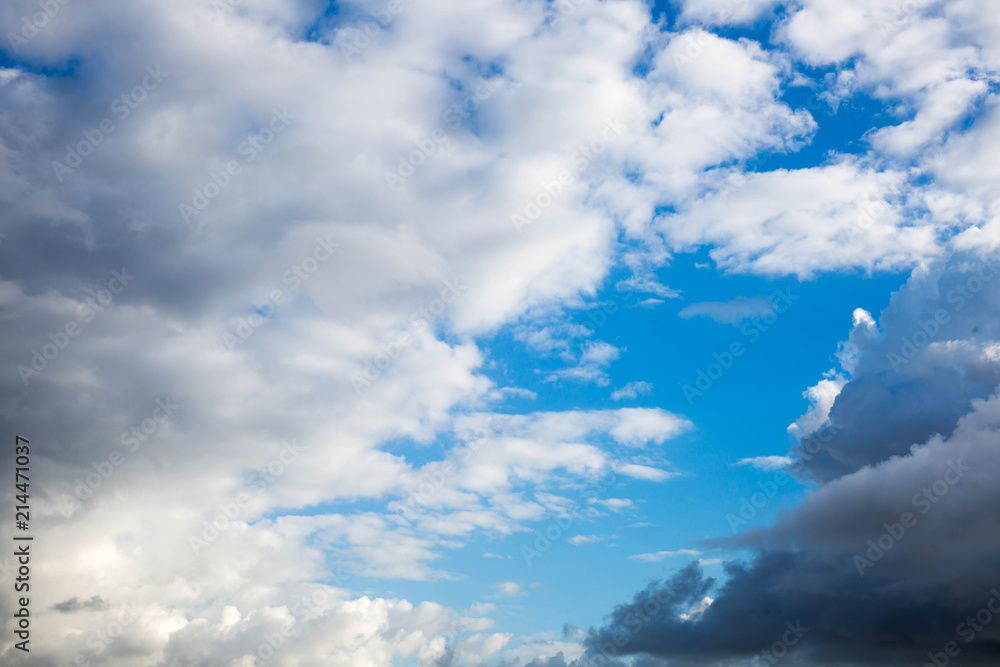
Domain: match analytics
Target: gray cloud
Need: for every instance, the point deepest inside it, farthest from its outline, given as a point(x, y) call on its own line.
point(919, 371)
point(95, 603)
point(837, 617)
point(887, 560)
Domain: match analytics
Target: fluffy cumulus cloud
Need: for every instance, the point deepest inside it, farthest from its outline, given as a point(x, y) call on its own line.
point(252, 254)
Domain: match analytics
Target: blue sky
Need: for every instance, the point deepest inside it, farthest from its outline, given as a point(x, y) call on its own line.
point(664, 350)
point(392, 290)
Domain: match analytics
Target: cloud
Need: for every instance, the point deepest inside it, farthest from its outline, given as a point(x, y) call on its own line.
point(243, 314)
point(631, 390)
point(647, 284)
point(733, 311)
point(906, 384)
point(553, 338)
point(766, 462)
point(905, 449)
point(639, 471)
point(660, 555)
point(637, 426)
point(755, 222)
point(823, 394)
point(594, 359)
point(613, 504)
point(578, 540)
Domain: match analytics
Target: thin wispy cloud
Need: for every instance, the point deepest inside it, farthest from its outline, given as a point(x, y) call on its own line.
point(734, 311)
point(766, 462)
point(657, 556)
point(631, 390)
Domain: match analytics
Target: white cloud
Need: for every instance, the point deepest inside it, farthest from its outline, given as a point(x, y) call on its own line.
point(631, 390)
point(613, 504)
point(766, 462)
point(648, 284)
point(638, 426)
point(711, 12)
point(698, 608)
point(804, 221)
point(645, 472)
point(823, 394)
point(507, 589)
point(594, 359)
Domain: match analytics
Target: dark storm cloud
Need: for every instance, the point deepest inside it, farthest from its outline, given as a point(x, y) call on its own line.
point(918, 374)
point(896, 558)
point(801, 608)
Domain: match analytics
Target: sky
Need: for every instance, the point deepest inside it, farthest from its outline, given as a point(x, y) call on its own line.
point(507, 333)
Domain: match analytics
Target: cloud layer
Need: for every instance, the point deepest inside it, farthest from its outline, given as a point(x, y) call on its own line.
point(253, 252)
